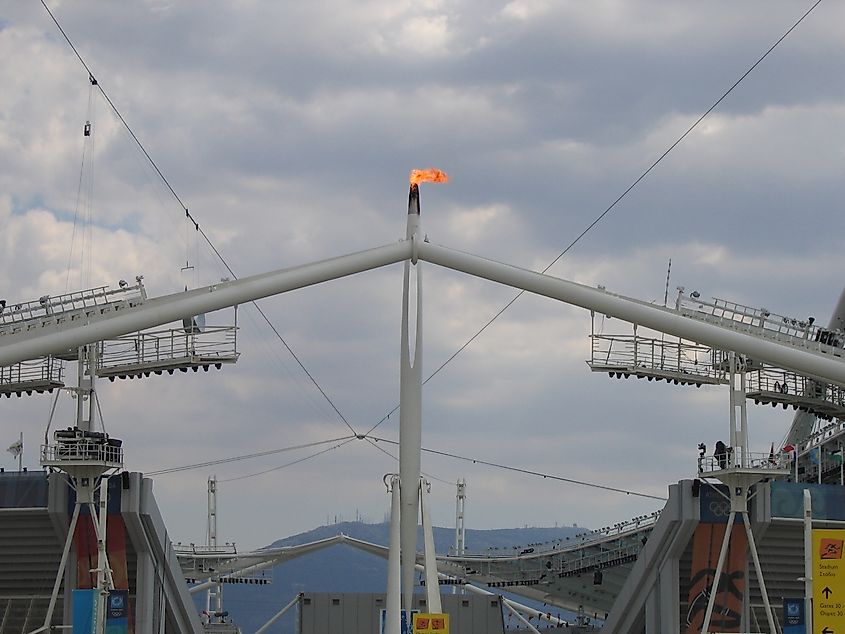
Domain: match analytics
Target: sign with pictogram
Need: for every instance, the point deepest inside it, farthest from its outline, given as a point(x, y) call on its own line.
point(431, 623)
point(828, 582)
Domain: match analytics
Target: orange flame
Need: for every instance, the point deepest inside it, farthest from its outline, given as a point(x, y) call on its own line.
point(431, 175)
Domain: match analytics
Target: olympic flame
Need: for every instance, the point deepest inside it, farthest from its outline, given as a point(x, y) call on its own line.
point(431, 175)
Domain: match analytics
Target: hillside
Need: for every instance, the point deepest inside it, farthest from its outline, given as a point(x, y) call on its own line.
point(345, 569)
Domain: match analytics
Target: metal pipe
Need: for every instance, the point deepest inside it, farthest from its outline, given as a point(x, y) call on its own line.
point(432, 588)
point(410, 406)
point(756, 558)
point(394, 577)
point(807, 362)
point(714, 589)
point(278, 615)
point(519, 616)
point(62, 563)
point(808, 558)
point(169, 308)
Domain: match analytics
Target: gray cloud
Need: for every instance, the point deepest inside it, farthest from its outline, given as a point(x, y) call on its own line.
point(289, 129)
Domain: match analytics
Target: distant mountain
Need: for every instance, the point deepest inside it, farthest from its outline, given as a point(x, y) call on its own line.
point(346, 569)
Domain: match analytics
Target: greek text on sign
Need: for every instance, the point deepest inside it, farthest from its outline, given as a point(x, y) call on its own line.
point(828, 581)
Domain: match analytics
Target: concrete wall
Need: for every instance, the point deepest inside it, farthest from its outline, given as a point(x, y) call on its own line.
point(330, 613)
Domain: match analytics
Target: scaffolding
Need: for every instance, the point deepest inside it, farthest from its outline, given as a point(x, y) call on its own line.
point(100, 299)
point(656, 356)
point(168, 350)
point(28, 377)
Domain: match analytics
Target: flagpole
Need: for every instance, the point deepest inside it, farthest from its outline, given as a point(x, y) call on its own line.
point(20, 455)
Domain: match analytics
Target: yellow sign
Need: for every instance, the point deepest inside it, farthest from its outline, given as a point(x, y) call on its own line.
point(828, 581)
point(431, 624)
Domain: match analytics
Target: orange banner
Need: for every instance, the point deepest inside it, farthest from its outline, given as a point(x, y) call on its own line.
point(727, 609)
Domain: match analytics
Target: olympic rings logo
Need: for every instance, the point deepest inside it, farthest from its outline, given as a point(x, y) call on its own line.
point(720, 508)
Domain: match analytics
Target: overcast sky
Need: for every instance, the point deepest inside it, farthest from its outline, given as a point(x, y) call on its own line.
point(289, 128)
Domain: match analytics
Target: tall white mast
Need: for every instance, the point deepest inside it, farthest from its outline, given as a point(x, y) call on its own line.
point(410, 412)
point(460, 502)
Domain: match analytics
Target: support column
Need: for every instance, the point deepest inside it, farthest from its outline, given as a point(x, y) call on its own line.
point(410, 412)
point(394, 580)
point(753, 548)
point(705, 627)
point(432, 586)
point(808, 560)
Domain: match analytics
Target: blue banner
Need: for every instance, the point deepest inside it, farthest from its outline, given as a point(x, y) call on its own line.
point(715, 504)
point(84, 611)
point(788, 500)
point(793, 617)
point(117, 612)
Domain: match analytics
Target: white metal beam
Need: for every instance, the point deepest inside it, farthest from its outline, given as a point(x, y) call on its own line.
point(58, 338)
point(807, 362)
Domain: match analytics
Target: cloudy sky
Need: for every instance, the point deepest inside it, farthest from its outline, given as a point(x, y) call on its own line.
point(289, 129)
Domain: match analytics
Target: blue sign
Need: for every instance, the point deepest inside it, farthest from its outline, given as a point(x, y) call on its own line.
point(793, 617)
point(117, 612)
point(715, 504)
point(788, 500)
point(84, 611)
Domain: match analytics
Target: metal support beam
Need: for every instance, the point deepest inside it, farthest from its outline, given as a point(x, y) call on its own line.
point(801, 360)
point(394, 576)
point(410, 403)
point(432, 587)
point(278, 615)
point(808, 559)
point(163, 310)
point(519, 616)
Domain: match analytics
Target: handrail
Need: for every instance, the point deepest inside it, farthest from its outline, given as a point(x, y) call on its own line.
point(47, 306)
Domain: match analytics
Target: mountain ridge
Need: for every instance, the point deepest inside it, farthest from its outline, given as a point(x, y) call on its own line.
point(342, 568)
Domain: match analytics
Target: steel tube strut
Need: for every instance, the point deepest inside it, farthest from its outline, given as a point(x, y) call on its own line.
point(410, 403)
point(163, 310)
point(806, 362)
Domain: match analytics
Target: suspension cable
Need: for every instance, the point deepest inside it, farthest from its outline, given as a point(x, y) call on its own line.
point(545, 476)
point(260, 454)
point(95, 82)
point(612, 205)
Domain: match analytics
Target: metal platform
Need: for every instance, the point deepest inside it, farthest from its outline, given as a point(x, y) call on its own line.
point(28, 377)
point(798, 332)
point(662, 358)
point(16, 317)
point(777, 387)
point(168, 350)
point(82, 453)
point(681, 362)
point(199, 562)
point(768, 465)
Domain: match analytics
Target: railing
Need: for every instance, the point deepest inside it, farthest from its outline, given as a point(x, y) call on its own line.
point(776, 380)
point(822, 437)
point(759, 321)
point(77, 300)
point(41, 371)
point(728, 460)
point(682, 361)
point(604, 559)
point(81, 450)
point(187, 550)
point(598, 535)
point(633, 352)
point(163, 346)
